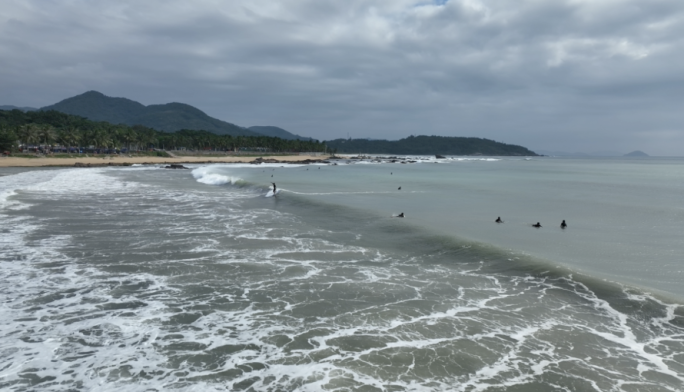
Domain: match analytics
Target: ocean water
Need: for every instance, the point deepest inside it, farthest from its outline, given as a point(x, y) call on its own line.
point(146, 279)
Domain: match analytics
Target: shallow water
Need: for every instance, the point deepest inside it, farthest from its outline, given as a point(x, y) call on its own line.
point(150, 279)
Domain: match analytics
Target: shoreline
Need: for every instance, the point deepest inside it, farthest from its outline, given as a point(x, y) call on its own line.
point(149, 160)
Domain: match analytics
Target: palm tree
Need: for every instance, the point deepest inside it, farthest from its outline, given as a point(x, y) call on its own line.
point(27, 134)
point(46, 134)
point(8, 139)
point(147, 137)
point(98, 138)
point(69, 136)
point(128, 136)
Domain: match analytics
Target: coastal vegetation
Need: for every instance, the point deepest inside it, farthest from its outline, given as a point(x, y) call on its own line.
point(427, 145)
point(94, 120)
point(51, 129)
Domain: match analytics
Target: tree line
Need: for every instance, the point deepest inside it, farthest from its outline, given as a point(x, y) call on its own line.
point(428, 145)
point(20, 129)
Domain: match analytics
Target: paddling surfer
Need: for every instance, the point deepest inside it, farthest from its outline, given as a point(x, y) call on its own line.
point(400, 215)
point(498, 220)
point(537, 225)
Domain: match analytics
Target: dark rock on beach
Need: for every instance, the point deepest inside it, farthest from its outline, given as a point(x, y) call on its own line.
point(81, 164)
point(302, 162)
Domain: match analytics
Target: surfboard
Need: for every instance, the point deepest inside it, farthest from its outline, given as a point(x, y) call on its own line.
point(270, 193)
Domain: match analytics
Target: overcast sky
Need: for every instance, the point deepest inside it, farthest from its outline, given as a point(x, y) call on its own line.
point(564, 75)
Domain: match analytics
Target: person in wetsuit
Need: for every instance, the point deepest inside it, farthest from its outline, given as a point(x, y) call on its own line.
point(498, 220)
point(563, 225)
point(537, 225)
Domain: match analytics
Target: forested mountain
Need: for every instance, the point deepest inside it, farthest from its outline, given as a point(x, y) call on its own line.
point(277, 132)
point(12, 107)
point(50, 128)
point(429, 145)
point(169, 117)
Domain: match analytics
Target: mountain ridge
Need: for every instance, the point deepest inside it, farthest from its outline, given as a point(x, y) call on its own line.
point(12, 107)
point(273, 131)
point(169, 117)
point(176, 116)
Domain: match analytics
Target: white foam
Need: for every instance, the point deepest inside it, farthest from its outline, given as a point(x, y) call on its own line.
point(11, 183)
point(207, 175)
point(50, 183)
point(254, 275)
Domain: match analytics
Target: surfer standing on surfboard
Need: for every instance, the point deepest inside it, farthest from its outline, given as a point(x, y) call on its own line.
point(274, 188)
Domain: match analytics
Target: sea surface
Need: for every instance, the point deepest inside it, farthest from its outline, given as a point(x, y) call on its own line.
point(148, 279)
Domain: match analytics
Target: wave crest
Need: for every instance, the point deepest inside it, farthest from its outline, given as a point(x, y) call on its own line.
point(205, 176)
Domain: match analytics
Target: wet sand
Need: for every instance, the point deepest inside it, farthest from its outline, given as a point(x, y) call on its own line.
point(115, 160)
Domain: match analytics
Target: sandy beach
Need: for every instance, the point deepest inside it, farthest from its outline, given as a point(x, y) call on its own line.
point(117, 160)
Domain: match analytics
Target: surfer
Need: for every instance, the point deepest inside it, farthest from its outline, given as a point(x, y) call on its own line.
point(537, 225)
point(400, 215)
point(498, 220)
point(274, 188)
point(563, 225)
point(399, 188)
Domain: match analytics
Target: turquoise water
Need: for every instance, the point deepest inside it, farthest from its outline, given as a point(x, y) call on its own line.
point(150, 279)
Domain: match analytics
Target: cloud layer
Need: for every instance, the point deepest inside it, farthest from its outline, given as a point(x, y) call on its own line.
point(572, 75)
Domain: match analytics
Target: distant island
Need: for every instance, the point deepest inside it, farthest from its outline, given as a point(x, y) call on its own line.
point(429, 145)
point(636, 153)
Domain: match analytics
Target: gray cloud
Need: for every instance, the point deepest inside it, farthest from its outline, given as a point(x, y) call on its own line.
point(574, 75)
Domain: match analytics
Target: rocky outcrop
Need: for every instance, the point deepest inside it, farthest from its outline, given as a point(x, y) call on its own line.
point(302, 162)
point(81, 164)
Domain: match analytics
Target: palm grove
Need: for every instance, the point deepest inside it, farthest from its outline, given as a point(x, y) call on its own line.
point(56, 128)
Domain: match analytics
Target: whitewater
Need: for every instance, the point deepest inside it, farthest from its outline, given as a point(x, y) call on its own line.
point(142, 278)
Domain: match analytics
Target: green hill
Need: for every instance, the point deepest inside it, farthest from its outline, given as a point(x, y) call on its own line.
point(277, 132)
point(169, 117)
point(12, 107)
point(429, 145)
